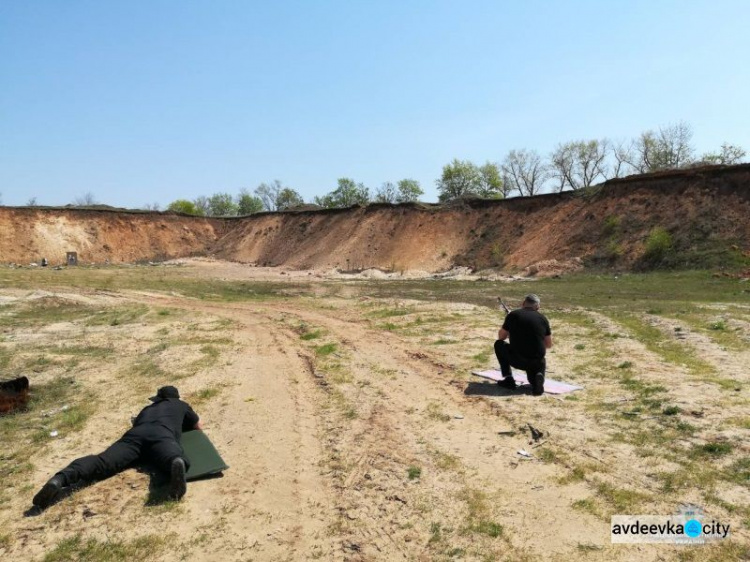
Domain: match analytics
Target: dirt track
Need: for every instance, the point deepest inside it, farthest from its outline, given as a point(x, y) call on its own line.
point(320, 448)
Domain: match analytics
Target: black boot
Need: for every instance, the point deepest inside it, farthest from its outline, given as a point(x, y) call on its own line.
point(49, 494)
point(537, 384)
point(508, 382)
point(177, 482)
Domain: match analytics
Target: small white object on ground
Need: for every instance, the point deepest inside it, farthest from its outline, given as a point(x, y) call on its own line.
point(458, 417)
point(53, 433)
point(524, 453)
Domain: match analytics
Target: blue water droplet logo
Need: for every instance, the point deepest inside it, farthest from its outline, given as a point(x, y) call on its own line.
point(693, 528)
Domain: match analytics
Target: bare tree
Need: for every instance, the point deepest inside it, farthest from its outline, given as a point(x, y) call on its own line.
point(31, 202)
point(269, 194)
point(524, 171)
point(562, 164)
point(386, 193)
point(152, 207)
point(622, 153)
point(202, 205)
point(579, 164)
point(85, 200)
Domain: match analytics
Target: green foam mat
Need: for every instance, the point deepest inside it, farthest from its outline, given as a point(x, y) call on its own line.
point(204, 459)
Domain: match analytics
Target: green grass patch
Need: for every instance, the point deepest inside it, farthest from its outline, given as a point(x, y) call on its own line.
point(390, 312)
point(67, 407)
point(478, 518)
point(669, 350)
point(435, 412)
point(739, 472)
point(622, 500)
point(203, 395)
point(78, 549)
point(443, 341)
point(146, 278)
point(43, 311)
point(118, 316)
point(587, 505)
point(482, 357)
point(547, 455)
point(413, 472)
point(713, 449)
point(325, 349)
point(313, 335)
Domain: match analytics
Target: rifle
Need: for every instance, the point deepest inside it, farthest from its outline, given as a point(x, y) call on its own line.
point(502, 305)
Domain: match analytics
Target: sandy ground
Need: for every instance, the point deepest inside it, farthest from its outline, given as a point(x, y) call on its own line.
point(320, 449)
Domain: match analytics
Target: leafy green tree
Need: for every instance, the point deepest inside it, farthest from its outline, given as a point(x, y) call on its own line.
point(667, 149)
point(184, 206)
point(247, 204)
point(460, 178)
point(221, 205)
point(490, 181)
point(728, 155)
point(347, 193)
point(288, 199)
point(408, 190)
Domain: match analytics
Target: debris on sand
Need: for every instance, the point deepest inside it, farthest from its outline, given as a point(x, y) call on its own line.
point(553, 267)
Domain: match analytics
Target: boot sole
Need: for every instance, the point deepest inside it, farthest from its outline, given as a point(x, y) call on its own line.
point(177, 484)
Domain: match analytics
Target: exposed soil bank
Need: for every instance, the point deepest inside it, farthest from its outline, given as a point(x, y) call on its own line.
point(705, 211)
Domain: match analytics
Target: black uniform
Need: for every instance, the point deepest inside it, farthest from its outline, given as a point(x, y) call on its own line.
point(526, 351)
point(155, 436)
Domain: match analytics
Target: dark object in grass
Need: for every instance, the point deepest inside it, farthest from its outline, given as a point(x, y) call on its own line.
point(14, 395)
point(535, 433)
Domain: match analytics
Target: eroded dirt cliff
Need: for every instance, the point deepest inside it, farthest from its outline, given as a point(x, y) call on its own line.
point(704, 210)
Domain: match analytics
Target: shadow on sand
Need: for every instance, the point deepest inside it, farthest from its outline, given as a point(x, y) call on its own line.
point(493, 389)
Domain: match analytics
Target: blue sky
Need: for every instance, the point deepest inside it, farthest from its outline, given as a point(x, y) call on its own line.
point(150, 101)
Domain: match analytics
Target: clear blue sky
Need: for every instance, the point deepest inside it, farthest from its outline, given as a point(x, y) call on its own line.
point(151, 101)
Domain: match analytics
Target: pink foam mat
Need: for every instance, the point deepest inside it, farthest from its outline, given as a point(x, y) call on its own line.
point(551, 386)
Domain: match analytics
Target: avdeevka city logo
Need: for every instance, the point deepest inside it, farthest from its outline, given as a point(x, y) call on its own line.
point(693, 528)
point(689, 525)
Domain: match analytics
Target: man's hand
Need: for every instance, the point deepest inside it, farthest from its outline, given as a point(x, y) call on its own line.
point(502, 334)
point(198, 425)
point(547, 342)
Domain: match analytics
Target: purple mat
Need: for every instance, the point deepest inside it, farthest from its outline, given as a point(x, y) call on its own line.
point(550, 386)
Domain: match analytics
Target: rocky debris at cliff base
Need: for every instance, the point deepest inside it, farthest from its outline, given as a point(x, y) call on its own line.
point(550, 268)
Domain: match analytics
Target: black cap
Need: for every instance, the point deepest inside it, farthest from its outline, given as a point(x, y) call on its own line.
point(165, 392)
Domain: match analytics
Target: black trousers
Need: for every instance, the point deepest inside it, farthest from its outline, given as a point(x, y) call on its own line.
point(507, 359)
point(151, 442)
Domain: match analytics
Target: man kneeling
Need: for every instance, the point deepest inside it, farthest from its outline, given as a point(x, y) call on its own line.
point(155, 436)
point(530, 338)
